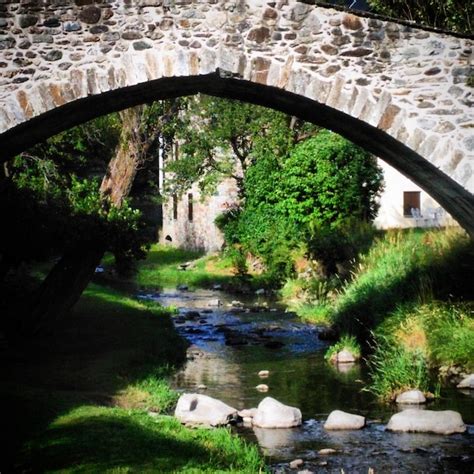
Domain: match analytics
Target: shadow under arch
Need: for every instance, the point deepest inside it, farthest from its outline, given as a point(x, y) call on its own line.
point(458, 201)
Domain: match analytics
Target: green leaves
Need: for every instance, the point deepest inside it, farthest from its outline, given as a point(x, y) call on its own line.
point(455, 15)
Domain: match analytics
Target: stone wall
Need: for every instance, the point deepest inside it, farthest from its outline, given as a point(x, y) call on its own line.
point(200, 233)
point(400, 91)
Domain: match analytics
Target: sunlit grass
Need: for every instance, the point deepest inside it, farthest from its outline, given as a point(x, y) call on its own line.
point(395, 369)
point(81, 400)
point(99, 439)
point(346, 342)
point(162, 269)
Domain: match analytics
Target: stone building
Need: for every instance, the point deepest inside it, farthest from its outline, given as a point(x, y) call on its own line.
point(188, 221)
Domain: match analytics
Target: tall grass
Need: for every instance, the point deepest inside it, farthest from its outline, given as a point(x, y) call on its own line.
point(395, 369)
point(409, 302)
point(346, 342)
point(401, 267)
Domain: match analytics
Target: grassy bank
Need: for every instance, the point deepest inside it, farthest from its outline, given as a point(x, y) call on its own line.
point(79, 399)
point(170, 267)
point(162, 269)
point(410, 298)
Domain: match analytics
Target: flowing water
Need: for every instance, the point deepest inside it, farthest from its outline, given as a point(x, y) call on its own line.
point(230, 345)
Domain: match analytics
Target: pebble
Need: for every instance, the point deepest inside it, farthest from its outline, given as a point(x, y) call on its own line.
point(326, 451)
point(295, 464)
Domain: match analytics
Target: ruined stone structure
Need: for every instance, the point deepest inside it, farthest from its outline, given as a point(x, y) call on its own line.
point(188, 221)
point(399, 91)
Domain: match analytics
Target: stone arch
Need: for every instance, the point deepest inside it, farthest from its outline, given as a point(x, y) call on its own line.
point(398, 91)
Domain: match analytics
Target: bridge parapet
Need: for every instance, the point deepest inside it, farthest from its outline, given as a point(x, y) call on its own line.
point(409, 82)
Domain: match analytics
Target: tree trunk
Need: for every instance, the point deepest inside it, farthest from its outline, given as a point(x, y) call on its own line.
point(69, 277)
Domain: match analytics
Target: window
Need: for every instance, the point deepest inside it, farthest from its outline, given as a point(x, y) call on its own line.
point(190, 207)
point(175, 207)
point(411, 200)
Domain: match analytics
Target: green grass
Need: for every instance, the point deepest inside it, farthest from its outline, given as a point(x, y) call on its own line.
point(161, 269)
point(415, 289)
point(319, 314)
point(99, 439)
point(395, 369)
point(404, 266)
point(346, 342)
point(443, 331)
point(79, 398)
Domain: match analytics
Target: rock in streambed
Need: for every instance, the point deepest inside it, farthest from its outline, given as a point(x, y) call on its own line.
point(427, 421)
point(340, 420)
point(273, 414)
point(194, 409)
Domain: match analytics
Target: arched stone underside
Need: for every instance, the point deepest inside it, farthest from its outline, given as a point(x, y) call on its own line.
point(400, 92)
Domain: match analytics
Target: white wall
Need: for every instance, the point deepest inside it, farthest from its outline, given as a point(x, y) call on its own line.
point(391, 204)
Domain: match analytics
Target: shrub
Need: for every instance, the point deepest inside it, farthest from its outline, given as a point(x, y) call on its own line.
point(346, 342)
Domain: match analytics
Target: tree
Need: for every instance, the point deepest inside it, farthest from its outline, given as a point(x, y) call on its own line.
point(221, 138)
point(91, 217)
point(313, 197)
point(455, 15)
point(327, 179)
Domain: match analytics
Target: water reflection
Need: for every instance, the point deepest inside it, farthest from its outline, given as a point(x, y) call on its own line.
point(232, 347)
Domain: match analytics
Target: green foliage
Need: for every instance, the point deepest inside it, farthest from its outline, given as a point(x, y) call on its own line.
point(221, 138)
point(327, 179)
point(346, 342)
point(455, 15)
point(307, 196)
point(445, 331)
point(336, 248)
point(450, 333)
point(238, 260)
point(400, 267)
point(53, 193)
point(395, 369)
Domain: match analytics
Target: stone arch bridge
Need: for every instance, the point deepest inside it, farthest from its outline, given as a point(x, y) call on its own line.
point(399, 91)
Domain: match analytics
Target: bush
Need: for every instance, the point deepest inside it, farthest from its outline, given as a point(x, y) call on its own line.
point(317, 192)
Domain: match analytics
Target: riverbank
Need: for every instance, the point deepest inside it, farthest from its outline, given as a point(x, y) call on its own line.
point(410, 304)
point(94, 396)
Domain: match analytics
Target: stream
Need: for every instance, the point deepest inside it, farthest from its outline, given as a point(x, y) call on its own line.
point(229, 345)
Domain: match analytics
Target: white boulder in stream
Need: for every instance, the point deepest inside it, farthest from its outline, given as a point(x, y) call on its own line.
point(195, 409)
point(340, 420)
point(273, 414)
point(344, 356)
point(467, 382)
point(412, 397)
point(427, 421)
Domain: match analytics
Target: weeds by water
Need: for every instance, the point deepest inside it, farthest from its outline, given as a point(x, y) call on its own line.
point(346, 342)
point(415, 289)
point(404, 266)
point(395, 369)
